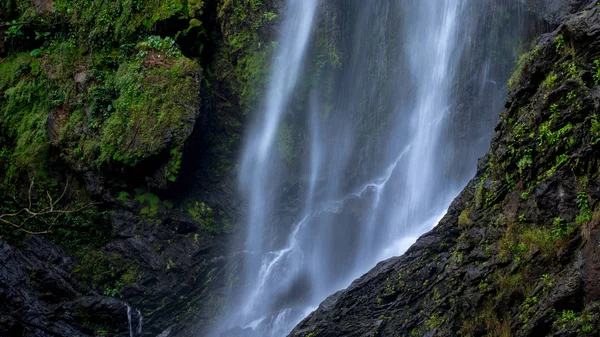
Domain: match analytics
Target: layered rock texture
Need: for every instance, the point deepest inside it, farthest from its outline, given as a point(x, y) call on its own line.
point(127, 116)
point(119, 126)
point(517, 254)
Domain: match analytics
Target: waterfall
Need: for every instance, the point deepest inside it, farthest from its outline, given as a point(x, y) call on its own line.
point(129, 320)
point(380, 156)
point(138, 327)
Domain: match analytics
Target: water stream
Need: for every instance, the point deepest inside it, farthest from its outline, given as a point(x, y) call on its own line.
point(381, 154)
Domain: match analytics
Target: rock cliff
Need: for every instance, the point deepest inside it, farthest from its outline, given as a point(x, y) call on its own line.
point(517, 252)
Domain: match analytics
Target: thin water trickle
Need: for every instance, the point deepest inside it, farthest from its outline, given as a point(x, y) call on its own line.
point(129, 320)
point(140, 322)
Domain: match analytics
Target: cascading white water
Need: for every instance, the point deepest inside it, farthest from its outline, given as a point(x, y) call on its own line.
point(364, 197)
point(137, 329)
point(129, 320)
point(257, 173)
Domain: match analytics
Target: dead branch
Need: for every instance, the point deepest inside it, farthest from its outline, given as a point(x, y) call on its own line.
point(51, 209)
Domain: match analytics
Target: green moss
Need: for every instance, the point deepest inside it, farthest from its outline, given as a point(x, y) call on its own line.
point(583, 324)
point(525, 162)
point(550, 81)
point(123, 196)
point(595, 129)
point(203, 214)
point(585, 213)
point(118, 22)
point(97, 268)
point(149, 201)
point(559, 42)
point(130, 275)
point(313, 333)
point(174, 165)
point(596, 72)
point(464, 219)
point(518, 69)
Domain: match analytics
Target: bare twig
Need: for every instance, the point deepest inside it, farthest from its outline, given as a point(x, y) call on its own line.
point(50, 209)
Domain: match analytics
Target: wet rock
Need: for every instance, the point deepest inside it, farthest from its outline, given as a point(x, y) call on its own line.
point(523, 263)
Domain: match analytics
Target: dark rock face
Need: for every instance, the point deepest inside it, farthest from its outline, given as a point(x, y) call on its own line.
point(175, 275)
point(40, 297)
point(516, 254)
point(555, 10)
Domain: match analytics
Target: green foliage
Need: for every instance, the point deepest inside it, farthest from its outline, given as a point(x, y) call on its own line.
point(585, 213)
point(113, 23)
point(313, 333)
point(124, 196)
point(573, 70)
point(510, 181)
point(102, 271)
point(159, 45)
point(595, 129)
point(569, 320)
point(152, 102)
point(464, 219)
point(559, 42)
point(149, 201)
point(202, 213)
point(597, 72)
point(174, 165)
point(560, 229)
point(528, 308)
point(525, 162)
point(518, 70)
point(102, 331)
point(245, 56)
point(550, 81)
point(24, 112)
point(547, 281)
point(547, 137)
point(538, 238)
point(269, 16)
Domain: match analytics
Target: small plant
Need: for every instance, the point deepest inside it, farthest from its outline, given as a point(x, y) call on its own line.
point(554, 108)
point(571, 95)
point(170, 264)
point(524, 195)
point(522, 218)
point(560, 43)
point(149, 201)
point(546, 281)
point(560, 229)
point(114, 291)
point(525, 162)
point(159, 45)
point(595, 129)
point(203, 214)
point(102, 331)
point(585, 214)
point(573, 70)
point(510, 181)
point(568, 319)
point(597, 74)
point(550, 81)
point(123, 196)
point(174, 165)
